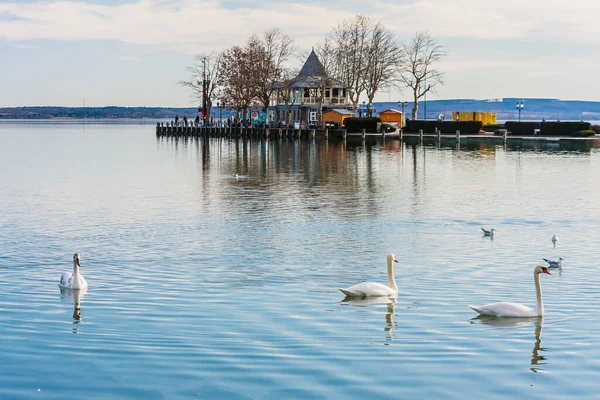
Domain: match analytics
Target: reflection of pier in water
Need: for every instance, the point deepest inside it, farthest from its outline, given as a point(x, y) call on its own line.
point(320, 170)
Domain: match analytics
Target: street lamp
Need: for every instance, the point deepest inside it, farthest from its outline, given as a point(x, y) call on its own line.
point(219, 106)
point(402, 104)
point(520, 106)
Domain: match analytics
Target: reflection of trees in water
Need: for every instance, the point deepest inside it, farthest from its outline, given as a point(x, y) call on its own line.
point(316, 174)
point(316, 169)
point(536, 357)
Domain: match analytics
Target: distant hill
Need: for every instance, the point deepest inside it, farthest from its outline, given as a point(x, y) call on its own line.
point(94, 112)
point(505, 109)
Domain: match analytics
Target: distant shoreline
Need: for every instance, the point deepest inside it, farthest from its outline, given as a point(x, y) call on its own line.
point(534, 110)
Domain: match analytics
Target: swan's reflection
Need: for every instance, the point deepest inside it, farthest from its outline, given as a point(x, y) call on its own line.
point(536, 357)
point(76, 295)
point(389, 301)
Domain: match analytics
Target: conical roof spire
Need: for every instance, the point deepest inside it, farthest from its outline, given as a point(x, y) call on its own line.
point(312, 66)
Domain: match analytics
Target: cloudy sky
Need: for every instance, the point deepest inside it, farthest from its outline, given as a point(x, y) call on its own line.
point(133, 52)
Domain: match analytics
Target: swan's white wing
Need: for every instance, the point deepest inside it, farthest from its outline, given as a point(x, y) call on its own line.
point(65, 280)
point(368, 289)
point(68, 281)
point(504, 309)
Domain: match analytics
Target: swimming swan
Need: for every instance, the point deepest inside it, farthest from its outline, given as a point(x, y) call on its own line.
point(373, 289)
point(73, 280)
point(507, 309)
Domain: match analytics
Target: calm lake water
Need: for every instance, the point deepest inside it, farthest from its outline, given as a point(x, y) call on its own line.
point(207, 285)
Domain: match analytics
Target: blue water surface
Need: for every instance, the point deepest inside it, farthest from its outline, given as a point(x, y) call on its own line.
point(213, 267)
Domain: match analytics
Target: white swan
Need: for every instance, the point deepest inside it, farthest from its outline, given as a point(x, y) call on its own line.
point(374, 289)
point(73, 280)
point(554, 264)
point(507, 309)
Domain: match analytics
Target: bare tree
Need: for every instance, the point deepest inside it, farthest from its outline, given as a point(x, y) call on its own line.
point(278, 48)
point(287, 93)
point(207, 67)
point(326, 54)
point(418, 71)
point(241, 84)
point(349, 42)
point(382, 58)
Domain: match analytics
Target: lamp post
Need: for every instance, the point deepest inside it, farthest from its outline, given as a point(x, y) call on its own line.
point(520, 106)
point(402, 104)
point(219, 106)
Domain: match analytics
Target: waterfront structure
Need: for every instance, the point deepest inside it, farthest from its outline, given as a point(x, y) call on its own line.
point(307, 95)
point(392, 117)
point(334, 118)
point(485, 117)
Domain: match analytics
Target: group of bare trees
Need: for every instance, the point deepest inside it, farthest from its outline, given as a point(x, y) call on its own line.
point(242, 76)
point(368, 59)
point(359, 54)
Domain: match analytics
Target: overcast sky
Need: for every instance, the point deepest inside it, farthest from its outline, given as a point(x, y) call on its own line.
point(133, 53)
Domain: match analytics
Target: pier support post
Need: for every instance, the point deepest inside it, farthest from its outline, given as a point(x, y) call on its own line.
point(401, 134)
point(280, 132)
point(344, 133)
point(505, 135)
point(421, 135)
point(326, 133)
point(439, 134)
point(457, 135)
point(314, 133)
point(364, 133)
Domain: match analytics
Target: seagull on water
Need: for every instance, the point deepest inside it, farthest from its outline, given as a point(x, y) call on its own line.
point(554, 239)
point(555, 264)
point(488, 233)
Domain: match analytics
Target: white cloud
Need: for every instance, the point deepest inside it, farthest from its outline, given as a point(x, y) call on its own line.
point(192, 26)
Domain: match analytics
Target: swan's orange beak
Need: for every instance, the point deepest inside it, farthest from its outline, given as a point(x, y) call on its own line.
point(545, 270)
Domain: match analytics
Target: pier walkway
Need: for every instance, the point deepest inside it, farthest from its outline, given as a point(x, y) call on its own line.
point(169, 129)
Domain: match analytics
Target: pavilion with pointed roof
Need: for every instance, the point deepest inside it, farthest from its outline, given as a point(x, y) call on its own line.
point(307, 91)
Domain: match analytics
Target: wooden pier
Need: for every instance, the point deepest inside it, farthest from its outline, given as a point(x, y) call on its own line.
point(170, 129)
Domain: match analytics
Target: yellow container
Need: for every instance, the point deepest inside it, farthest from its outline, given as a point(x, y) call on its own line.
point(485, 117)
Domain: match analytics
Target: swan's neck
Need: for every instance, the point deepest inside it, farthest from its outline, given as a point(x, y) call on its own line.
point(390, 272)
point(539, 304)
point(75, 269)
